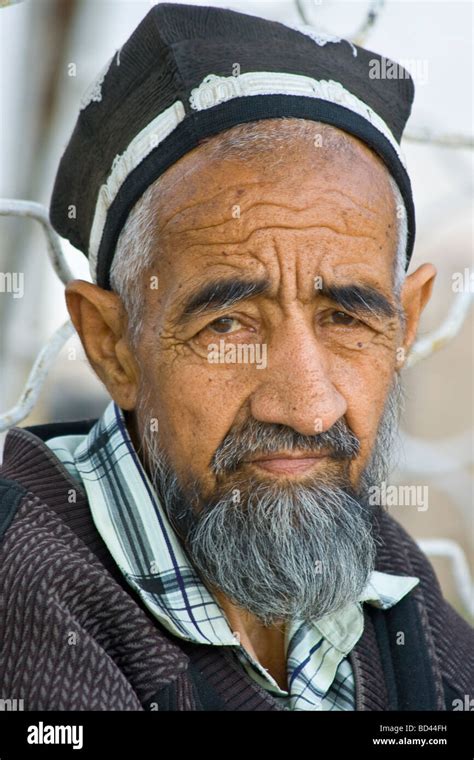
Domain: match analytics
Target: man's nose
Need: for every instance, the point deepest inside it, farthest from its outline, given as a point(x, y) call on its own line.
point(296, 387)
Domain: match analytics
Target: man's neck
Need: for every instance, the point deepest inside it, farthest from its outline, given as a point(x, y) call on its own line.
point(132, 427)
point(264, 644)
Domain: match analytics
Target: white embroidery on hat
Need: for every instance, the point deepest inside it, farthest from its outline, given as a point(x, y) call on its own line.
point(216, 89)
point(123, 164)
point(94, 91)
point(319, 37)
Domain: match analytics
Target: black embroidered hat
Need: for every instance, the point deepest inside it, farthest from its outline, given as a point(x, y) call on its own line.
point(188, 72)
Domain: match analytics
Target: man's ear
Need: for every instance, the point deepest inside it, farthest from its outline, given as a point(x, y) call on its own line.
point(100, 320)
point(415, 295)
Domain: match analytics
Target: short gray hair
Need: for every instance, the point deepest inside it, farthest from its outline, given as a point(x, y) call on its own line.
point(136, 248)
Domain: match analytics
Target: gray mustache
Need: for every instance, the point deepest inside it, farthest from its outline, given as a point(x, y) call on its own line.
point(258, 438)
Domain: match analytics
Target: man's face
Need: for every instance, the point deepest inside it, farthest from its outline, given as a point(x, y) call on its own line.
point(321, 232)
point(263, 393)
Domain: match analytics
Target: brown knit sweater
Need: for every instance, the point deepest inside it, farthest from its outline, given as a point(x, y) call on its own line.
point(75, 636)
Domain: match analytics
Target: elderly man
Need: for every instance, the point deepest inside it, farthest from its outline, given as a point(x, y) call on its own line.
point(213, 542)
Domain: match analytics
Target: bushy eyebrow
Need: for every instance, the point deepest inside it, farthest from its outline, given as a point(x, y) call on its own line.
point(361, 299)
point(222, 294)
point(217, 295)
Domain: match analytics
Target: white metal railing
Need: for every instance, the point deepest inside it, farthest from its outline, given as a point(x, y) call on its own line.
point(32, 210)
point(41, 366)
point(448, 549)
point(47, 356)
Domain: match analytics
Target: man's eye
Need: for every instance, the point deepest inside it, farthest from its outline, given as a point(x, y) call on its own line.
point(225, 323)
point(343, 319)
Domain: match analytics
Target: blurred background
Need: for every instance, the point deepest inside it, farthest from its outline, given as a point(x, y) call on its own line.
point(50, 51)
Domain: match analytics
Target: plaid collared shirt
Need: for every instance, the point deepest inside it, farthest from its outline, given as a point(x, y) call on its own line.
point(134, 526)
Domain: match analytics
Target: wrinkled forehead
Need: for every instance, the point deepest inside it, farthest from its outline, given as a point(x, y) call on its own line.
point(203, 184)
point(217, 212)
